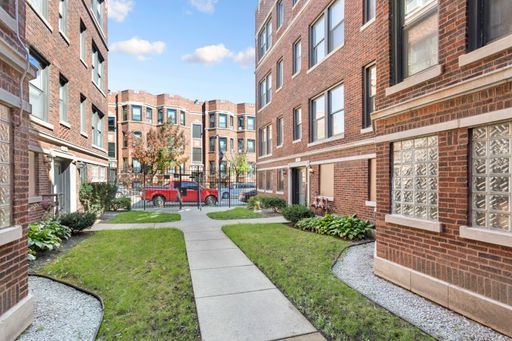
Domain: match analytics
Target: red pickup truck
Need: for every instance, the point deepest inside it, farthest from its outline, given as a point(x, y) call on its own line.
point(189, 193)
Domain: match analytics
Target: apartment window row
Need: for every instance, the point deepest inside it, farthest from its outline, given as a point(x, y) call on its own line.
point(265, 180)
point(246, 146)
point(328, 32)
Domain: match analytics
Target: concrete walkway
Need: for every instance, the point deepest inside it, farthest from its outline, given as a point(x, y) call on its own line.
point(234, 299)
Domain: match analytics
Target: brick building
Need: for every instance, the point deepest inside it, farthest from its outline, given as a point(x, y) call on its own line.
point(205, 125)
point(68, 140)
point(315, 139)
point(443, 129)
point(16, 304)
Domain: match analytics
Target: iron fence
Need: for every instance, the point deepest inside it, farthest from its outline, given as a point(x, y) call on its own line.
point(186, 188)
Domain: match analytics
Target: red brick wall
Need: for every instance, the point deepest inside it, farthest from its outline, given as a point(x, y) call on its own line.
point(13, 256)
point(360, 49)
point(480, 267)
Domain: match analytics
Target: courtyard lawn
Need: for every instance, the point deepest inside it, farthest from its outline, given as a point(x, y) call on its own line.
point(143, 278)
point(141, 217)
point(299, 264)
point(235, 213)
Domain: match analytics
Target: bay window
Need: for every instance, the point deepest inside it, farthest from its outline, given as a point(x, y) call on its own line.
point(171, 116)
point(136, 113)
point(250, 123)
point(223, 121)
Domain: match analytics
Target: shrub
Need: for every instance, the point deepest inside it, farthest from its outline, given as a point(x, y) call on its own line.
point(97, 197)
point(46, 236)
point(78, 221)
point(260, 201)
point(121, 203)
point(346, 227)
point(295, 213)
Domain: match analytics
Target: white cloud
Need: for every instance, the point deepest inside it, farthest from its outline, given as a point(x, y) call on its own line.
point(205, 6)
point(245, 58)
point(138, 47)
point(119, 9)
point(211, 54)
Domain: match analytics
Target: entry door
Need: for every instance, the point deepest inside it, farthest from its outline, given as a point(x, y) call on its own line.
point(299, 186)
point(62, 185)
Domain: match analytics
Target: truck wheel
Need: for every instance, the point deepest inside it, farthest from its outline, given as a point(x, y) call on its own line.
point(225, 195)
point(211, 201)
point(158, 201)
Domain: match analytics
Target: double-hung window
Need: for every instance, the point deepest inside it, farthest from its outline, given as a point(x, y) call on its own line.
point(63, 99)
point(297, 57)
point(38, 89)
point(41, 7)
point(280, 132)
point(265, 91)
point(250, 123)
point(182, 118)
point(251, 146)
point(97, 127)
point(197, 131)
point(369, 10)
point(212, 143)
point(160, 115)
point(136, 113)
point(197, 155)
point(297, 124)
point(279, 74)
point(97, 10)
point(111, 124)
point(280, 13)
point(97, 67)
point(490, 20)
point(265, 38)
point(328, 32)
point(83, 114)
point(241, 147)
point(136, 166)
point(223, 121)
point(415, 178)
point(125, 113)
point(416, 37)
point(83, 39)
point(265, 137)
point(241, 123)
point(149, 114)
point(6, 168)
point(212, 120)
point(370, 91)
point(171, 116)
point(491, 176)
point(223, 144)
point(63, 16)
point(328, 114)
point(280, 180)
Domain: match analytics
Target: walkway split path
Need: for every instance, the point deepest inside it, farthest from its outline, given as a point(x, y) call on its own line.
point(234, 299)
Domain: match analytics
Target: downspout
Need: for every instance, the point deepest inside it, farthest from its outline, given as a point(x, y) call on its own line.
point(22, 80)
point(308, 185)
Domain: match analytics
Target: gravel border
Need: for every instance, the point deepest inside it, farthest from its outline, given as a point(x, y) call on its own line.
point(355, 268)
point(62, 312)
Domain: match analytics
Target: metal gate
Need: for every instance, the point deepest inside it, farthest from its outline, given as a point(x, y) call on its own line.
point(186, 188)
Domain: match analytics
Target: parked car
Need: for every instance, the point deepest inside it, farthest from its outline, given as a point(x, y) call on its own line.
point(189, 193)
point(245, 196)
point(236, 189)
point(122, 191)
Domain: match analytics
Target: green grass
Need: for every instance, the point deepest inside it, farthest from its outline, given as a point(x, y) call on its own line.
point(140, 217)
point(299, 263)
point(235, 213)
point(143, 278)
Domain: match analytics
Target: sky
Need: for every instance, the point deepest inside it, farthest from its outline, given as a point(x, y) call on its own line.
point(198, 49)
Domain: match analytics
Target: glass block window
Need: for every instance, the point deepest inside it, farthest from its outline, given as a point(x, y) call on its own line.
point(5, 168)
point(415, 171)
point(491, 176)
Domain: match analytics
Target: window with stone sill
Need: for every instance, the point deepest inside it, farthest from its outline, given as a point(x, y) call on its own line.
point(415, 178)
point(491, 176)
point(5, 168)
point(41, 6)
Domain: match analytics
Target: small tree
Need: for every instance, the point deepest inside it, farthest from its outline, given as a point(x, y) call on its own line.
point(164, 148)
point(240, 165)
